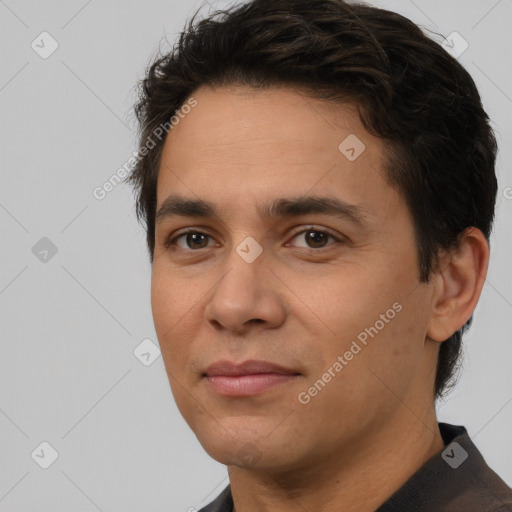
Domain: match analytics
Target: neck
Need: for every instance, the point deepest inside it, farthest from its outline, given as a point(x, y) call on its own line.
point(360, 479)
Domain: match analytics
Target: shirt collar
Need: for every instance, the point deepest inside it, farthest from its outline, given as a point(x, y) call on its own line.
point(457, 476)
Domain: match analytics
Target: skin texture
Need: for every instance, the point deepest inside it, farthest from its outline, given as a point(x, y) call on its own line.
point(300, 305)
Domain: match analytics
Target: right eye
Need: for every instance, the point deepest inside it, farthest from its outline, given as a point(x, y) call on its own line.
point(190, 240)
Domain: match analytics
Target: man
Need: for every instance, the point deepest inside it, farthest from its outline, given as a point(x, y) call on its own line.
point(318, 216)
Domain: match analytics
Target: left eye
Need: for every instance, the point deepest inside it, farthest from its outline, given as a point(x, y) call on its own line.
point(314, 238)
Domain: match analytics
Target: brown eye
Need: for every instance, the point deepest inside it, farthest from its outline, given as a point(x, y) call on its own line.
point(196, 240)
point(314, 239)
point(189, 240)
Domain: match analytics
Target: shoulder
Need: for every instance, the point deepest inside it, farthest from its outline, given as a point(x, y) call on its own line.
point(477, 483)
point(456, 478)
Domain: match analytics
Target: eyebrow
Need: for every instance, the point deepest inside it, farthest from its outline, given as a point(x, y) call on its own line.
point(179, 206)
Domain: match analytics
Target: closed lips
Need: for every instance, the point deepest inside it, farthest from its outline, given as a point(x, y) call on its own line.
point(230, 369)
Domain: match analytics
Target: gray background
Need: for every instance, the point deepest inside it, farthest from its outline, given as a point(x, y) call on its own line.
point(70, 323)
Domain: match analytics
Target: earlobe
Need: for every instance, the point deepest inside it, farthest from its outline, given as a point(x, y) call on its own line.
point(458, 283)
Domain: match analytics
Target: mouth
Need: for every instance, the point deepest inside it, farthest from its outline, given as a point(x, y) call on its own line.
point(247, 378)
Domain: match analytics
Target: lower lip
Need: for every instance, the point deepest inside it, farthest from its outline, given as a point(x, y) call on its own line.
point(246, 385)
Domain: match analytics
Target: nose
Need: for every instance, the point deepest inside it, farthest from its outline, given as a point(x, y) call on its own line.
point(247, 295)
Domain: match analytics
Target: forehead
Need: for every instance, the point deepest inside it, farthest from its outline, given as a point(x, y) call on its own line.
point(239, 142)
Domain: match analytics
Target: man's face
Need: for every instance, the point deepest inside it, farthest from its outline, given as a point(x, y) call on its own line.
point(301, 289)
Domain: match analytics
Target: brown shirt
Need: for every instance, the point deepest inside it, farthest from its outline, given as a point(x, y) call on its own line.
point(457, 479)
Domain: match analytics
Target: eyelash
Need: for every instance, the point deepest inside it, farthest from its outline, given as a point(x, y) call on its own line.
point(171, 241)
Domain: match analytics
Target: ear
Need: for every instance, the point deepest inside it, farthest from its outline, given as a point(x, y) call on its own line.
point(458, 283)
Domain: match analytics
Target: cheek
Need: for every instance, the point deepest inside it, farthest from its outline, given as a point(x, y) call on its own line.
point(378, 373)
point(173, 298)
point(162, 304)
point(353, 299)
point(171, 317)
point(382, 311)
point(169, 307)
